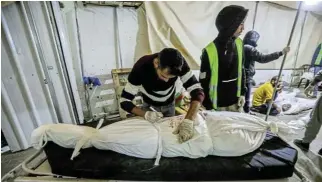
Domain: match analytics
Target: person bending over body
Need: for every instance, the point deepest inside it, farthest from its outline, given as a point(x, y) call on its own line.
point(263, 96)
point(155, 76)
point(221, 72)
point(252, 55)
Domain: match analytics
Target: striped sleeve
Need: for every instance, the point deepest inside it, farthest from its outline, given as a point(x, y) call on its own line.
point(191, 84)
point(130, 90)
point(128, 94)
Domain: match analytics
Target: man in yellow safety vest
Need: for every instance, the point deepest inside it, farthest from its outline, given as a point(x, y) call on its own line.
point(222, 74)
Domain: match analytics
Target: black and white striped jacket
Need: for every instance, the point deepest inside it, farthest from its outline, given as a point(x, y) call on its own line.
point(156, 92)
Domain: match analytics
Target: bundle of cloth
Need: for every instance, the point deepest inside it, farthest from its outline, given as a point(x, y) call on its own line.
point(293, 104)
point(215, 133)
point(301, 122)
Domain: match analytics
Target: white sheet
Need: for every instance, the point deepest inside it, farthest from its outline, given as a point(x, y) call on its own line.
point(297, 104)
point(301, 122)
point(220, 133)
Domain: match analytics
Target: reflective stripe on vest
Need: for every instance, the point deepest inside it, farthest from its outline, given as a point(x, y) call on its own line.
point(213, 61)
point(319, 57)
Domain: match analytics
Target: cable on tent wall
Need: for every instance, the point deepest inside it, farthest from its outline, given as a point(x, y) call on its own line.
point(301, 35)
point(284, 58)
point(255, 14)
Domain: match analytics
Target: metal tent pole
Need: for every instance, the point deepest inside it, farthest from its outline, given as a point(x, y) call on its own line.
point(300, 40)
point(284, 58)
point(255, 14)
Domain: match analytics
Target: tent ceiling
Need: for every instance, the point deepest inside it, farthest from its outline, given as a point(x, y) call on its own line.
point(317, 8)
point(134, 4)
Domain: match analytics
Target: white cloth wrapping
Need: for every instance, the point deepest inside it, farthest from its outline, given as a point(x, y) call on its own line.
point(130, 137)
point(199, 145)
point(64, 135)
point(297, 104)
point(220, 133)
point(236, 134)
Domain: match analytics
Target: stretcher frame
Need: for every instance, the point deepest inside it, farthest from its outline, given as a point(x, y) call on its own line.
point(40, 172)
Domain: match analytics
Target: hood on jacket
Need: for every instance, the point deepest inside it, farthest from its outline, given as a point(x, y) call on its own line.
point(229, 19)
point(251, 38)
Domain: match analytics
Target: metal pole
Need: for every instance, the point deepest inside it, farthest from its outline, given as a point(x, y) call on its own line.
point(66, 63)
point(299, 44)
point(255, 14)
point(118, 42)
point(284, 58)
point(51, 28)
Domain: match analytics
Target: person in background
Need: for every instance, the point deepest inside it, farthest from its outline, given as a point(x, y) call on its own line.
point(263, 96)
point(221, 73)
point(314, 125)
point(252, 55)
point(155, 76)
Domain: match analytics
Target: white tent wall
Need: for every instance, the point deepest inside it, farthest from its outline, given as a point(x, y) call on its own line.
point(170, 25)
point(312, 37)
point(274, 34)
point(102, 38)
point(99, 29)
point(33, 87)
point(274, 23)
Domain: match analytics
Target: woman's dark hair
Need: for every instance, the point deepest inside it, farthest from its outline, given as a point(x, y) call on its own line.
point(172, 59)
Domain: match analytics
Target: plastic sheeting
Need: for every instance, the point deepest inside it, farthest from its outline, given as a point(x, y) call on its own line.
point(171, 24)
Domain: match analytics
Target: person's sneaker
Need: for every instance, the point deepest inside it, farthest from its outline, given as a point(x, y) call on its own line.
point(320, 152)
point(302, 145)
